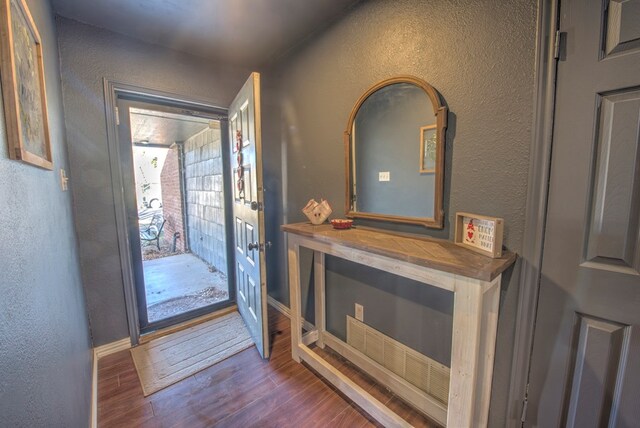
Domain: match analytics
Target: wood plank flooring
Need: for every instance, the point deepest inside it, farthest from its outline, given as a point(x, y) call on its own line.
point(242, 391)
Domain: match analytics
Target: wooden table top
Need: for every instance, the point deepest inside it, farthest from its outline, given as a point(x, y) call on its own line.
point(433, 253)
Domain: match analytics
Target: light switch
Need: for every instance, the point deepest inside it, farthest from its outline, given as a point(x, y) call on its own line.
point(359, 312)
point(384, 176)
point(63, 180)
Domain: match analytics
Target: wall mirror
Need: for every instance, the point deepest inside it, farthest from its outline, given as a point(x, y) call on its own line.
point(394, 145)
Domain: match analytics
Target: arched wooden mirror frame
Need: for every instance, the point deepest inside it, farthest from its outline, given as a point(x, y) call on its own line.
point(440, 111)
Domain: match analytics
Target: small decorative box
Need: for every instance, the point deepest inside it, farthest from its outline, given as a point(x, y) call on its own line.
point(316, 212)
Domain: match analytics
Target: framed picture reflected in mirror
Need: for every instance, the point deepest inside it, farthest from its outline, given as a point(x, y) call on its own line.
point(428, 148)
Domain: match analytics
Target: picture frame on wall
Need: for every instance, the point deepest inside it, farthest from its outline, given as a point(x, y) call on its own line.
point(23, 86)
point(428, 148)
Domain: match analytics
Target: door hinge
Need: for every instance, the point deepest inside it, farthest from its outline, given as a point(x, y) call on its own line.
point(117, 117)
point(558, 43)
point(525, 405)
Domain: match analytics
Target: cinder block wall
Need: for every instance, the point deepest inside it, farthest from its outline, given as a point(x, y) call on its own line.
point(172, 200)
point(205, 199)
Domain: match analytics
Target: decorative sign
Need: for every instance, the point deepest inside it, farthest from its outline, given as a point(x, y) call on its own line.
point(479, 233)
point(240, 168)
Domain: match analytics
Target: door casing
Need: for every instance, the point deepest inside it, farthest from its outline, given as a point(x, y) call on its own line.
point(536, 206)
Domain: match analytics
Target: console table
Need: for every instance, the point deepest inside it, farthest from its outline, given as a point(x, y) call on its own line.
point(473, 278)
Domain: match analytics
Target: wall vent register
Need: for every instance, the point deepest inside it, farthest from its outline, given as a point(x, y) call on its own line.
point(418, 369)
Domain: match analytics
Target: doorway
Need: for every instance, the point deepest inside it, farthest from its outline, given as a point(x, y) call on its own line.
point(173, 181)
point(240, 145)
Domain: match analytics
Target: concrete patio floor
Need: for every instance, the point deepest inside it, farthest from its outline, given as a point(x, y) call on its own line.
point(181, 283)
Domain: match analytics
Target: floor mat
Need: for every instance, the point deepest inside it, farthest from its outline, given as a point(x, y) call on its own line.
point(166, 360)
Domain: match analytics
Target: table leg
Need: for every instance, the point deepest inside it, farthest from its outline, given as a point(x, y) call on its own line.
point(472, 351)
point(293, 251)
point(486, 354)
point(319, 288)
point(467, 305)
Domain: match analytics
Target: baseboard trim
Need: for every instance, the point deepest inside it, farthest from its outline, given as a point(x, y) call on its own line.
point(94, 392)
point(112, 348)
point(280, 307)
point(99, 352)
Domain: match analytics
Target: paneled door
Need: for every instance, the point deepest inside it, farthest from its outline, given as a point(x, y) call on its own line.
point(585, 368)
point(248, 214)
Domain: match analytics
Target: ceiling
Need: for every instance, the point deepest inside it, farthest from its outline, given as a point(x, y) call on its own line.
point(162, 128)
point(238, 32)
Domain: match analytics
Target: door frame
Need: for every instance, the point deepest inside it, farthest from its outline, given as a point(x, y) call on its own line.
point(113, 89)
point(536, 206)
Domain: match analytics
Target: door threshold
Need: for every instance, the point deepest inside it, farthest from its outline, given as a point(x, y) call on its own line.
point(186, 324)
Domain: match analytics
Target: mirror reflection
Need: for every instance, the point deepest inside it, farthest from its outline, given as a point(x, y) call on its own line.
point(395, 157)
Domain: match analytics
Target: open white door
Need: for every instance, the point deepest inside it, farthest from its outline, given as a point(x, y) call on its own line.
point(248, 214)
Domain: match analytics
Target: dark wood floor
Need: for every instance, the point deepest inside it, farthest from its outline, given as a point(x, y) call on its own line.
point(241, 391)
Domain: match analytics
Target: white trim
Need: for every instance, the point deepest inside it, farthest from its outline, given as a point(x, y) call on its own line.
point(99, 352)
point(280, 307)
point(94, 392)
point(112, 348)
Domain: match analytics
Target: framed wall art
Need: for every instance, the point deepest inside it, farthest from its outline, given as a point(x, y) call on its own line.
point(428, 148)
point(479, 233)
point(23, 86)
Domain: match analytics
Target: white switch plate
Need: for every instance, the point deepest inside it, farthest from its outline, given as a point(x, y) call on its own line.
point(384, 176)
point(63, 180)
point(359, 312)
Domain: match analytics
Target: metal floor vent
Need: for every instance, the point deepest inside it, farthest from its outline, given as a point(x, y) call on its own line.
point(416, 368)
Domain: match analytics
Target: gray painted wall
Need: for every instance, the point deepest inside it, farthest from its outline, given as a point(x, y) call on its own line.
point(479, 56)
point(88, 55)
point(274, 172)
point(205, 198)
point(418, 316)
point(45, 347)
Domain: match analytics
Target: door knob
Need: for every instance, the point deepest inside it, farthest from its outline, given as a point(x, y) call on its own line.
point(256, 206)
point(257, 246)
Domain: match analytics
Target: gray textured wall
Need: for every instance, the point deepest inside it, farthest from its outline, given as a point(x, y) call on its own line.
point(479, 55)
point(418, 316)
point(205, 198)
point(88, 55)
point(45, 348)
point(275, 185)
